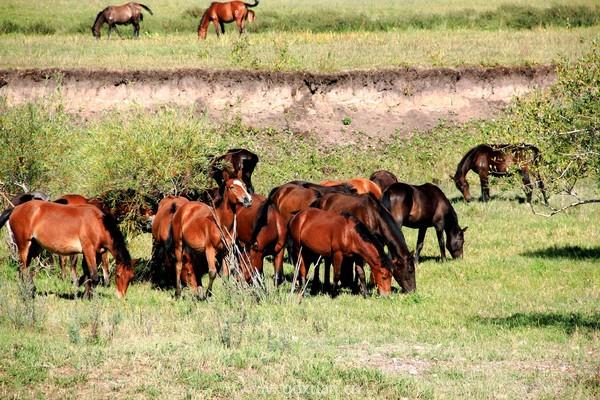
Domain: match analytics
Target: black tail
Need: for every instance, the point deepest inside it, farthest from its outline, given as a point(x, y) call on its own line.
point(119, 246)
point(5, 215)
point(145, 7)
point(252, 5)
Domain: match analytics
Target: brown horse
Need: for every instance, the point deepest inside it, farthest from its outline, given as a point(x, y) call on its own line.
point(130, 13)
point(495, 160)
point(361, 185)
point(235, 163)
point(315, 232)
point(66, 230)
point(369, 211)
point(270, 229)
point(221, 13)
point(199, 229)
point(383, 178)
point(424, 206)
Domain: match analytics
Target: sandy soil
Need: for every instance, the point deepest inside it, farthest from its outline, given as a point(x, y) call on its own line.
point(376, 103)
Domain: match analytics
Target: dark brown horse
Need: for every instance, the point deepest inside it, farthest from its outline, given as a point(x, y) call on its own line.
point(315, 233)
point(198, 229)
point(361, 185)
point(383, 178)
point(369, 211)
point(235, 164)
point(221, 13)
point(66, 230)
point(496, 160)
point(270, 229)
point(424, 206)
point(130, 13)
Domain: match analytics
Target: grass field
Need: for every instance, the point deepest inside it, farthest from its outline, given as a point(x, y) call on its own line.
point(315, 36)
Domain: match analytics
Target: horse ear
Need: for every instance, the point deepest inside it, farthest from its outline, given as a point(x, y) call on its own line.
point(465, 229)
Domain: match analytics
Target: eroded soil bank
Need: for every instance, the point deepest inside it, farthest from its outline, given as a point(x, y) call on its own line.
point(334, 107)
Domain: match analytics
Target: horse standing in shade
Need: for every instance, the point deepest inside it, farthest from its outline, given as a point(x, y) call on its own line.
point(422, 207)
point(221, 13)
point(495, 160)
point(130, 13)
point(67, 230)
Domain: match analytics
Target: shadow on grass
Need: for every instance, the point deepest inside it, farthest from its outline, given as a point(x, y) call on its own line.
point(80, 295)
point(566, 321)
point(494, 197)
point(570, 252)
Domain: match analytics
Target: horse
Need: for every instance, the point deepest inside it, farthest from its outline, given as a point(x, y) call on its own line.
point(235, 163)
point(270, 228)
point(361, 185)
point(221, 13)
point(424, 206)
point(315, 232)
point(66, 230)
point(369, 211)
point(199, 229)
point(129, 13)
point(383, 178)
point(495, 160)
point(74, 200)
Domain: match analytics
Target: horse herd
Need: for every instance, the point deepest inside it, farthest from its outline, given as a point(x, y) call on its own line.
point(344, 223)
point(217, 13)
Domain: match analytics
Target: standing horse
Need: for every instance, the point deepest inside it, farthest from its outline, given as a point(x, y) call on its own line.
point(315, 232)
point(424, 206)
point(235, 164)
point(221, 13)
point(495, 160)
point(199, 229)
point(130, 13)
point(361, 185)
point(369, 211)
point(383, 178)
point(66, 230)
point(270, 228)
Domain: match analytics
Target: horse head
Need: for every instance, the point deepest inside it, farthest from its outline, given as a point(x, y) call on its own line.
point(124, 275)
point(456, 241)
point(405, 273)
point(100, 19)
point(462, 185)
point(236, 193)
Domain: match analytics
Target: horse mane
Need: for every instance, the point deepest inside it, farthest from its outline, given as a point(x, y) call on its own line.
point(389, 225)
point(119, 246)
point(367, 236)
point(98, 17)
point(465, 161)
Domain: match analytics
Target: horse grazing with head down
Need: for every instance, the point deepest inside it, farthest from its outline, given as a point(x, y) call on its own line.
point(424, 206)
point(315, 233)
point(198, 229)
point(221, 13)
point(130, 13)
point(495, 160)
point(67, 230)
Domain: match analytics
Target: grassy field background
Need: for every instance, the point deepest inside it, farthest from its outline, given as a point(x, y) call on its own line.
point(308, 35)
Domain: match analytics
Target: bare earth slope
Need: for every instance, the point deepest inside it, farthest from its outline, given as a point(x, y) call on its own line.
point(376, 103)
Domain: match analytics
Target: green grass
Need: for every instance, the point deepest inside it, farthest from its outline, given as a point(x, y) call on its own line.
point(300, 51)
point(514, 318)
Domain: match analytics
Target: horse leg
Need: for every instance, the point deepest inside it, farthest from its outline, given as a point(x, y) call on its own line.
point(278, 264)
point(485, 187)
point(211, 259)
point(360, 272)
point(540, 184)
point(420, 241)
point(240, 25)
point(338, 259)
point(136, 29)
point(73, 261)
point(527, 187)
point(62, 261)
point(440, 236)
point(26, 254)
point(178, 267)
point(326, 283)
point(316, 283)
point(105, 269)
point(89, 257)
point(218, 27)
point(189, 277)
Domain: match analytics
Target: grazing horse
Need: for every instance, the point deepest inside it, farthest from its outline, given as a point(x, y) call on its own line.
point(66, 230)
point(315, 232)
point(369, 211)
point(383, 178)
point(361, 185)
point(221, 13)
point(235, 164)
point(130, 13)
point(270, 228)
point(424, 206)
point(199, 229)
point(495, 160)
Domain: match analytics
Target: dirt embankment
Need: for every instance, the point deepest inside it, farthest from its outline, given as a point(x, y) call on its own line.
point(332, 106)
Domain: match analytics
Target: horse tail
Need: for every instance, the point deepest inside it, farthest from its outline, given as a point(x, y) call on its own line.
point(119, 245)
point(252, 5)
point(262, 215)
point(5, 215)
point(145, 7)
